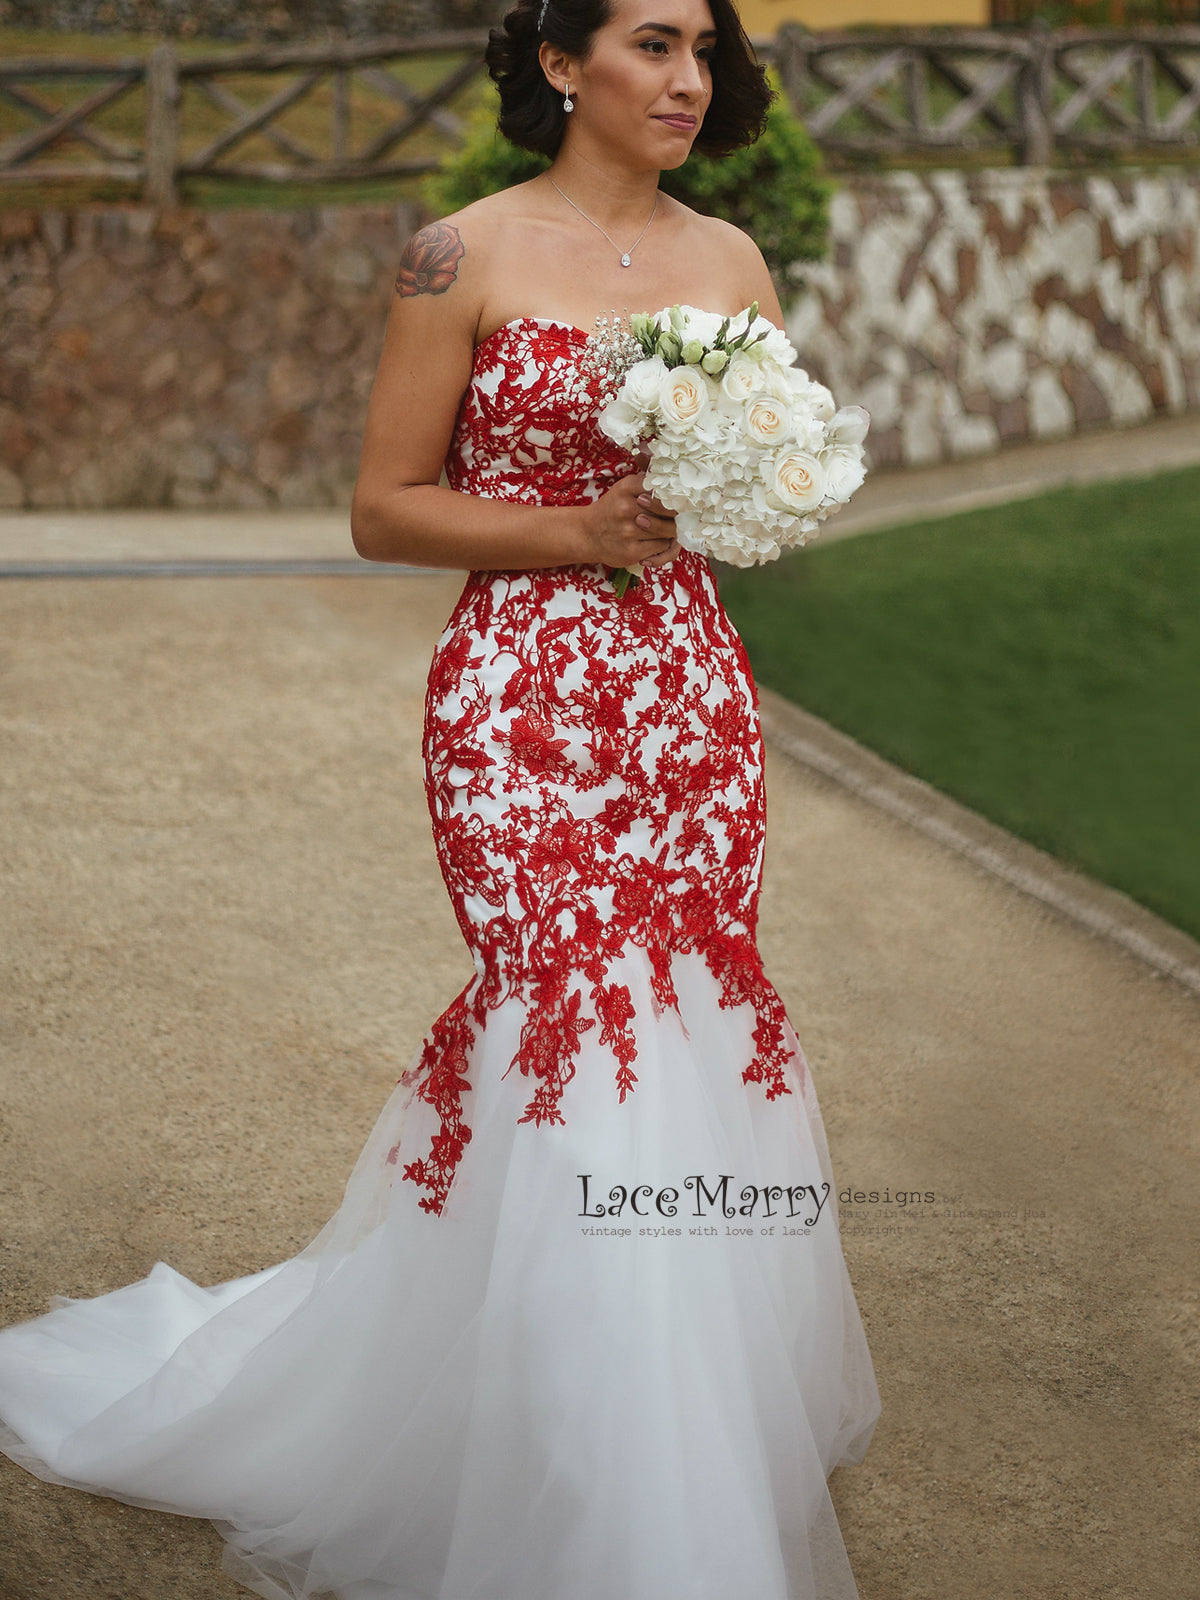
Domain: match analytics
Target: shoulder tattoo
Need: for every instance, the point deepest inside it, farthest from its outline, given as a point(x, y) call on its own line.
point(429, 264)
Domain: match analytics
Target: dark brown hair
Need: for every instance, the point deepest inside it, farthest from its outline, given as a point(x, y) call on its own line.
point(531, 113)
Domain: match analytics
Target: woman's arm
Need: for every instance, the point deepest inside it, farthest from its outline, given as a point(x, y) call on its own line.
point(400, 511)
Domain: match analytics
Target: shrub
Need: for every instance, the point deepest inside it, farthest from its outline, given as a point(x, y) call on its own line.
point(775, 189)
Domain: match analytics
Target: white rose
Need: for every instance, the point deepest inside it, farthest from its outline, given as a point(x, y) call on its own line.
point(698, 324)
point(683, 396)
point(816, 397)
point(621, 422)
point(767, 421)
point(775, 346)
point(844, 471)
point(643, 382)
point(739, 324)
point(796, 479)
point(849, 426)
point(742, 379)
point(778, 346)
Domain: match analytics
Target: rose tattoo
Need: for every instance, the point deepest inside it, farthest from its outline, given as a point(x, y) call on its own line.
point(429, 264)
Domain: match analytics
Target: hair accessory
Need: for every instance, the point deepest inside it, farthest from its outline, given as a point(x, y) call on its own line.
point(542, 15)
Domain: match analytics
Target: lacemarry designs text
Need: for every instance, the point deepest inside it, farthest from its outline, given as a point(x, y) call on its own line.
point(797, 1201)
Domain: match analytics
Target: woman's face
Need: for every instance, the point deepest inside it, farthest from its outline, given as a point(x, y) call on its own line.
point(643, 91)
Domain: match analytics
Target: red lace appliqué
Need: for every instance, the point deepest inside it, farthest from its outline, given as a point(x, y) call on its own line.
point(593, 768)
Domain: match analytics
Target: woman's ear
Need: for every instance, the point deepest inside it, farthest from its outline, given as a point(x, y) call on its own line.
point(556, 64)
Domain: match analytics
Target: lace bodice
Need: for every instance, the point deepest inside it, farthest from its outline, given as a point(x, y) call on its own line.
point(526, 429)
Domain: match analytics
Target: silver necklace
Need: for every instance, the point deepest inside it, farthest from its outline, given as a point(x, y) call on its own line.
point(626, 255)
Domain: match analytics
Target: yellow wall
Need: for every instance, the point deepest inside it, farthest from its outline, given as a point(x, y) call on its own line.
point(764, 16)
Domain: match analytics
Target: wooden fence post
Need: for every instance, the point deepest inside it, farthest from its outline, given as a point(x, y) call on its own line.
point(162, 127)
point(1035, 98)
point(791, 63)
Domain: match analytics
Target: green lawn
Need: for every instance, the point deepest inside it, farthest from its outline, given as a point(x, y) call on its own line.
point(1038, 661)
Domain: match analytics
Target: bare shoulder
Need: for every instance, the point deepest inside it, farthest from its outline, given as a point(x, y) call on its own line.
point(737, 258)
point(442, 282)
point(454, 258)
point(441, 269)
point(746, 264)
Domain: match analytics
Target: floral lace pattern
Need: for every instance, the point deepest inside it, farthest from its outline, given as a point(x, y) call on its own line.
point(593, 768)
point(526, 428)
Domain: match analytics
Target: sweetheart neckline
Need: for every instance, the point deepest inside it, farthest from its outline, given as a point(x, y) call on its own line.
point(514, 322)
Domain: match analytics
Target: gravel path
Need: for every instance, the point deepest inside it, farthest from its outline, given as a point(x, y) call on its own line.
point(224, 935)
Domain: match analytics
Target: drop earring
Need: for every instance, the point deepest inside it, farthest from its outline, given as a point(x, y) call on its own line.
point(568, 103)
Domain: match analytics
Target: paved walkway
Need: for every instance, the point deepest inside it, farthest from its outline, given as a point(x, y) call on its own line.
point(319, 541)
point(224, 934)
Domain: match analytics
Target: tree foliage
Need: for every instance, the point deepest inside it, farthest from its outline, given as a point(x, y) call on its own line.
point(775, 189)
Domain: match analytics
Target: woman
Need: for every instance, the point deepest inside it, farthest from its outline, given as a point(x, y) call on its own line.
point(582, 1328)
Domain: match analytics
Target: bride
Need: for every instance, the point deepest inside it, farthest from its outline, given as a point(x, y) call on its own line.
point(582, 1328)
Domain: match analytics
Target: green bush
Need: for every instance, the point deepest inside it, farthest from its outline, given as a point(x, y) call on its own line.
point(775, 189)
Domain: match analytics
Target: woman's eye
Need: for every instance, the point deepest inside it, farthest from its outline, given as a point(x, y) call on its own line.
point(702, 55)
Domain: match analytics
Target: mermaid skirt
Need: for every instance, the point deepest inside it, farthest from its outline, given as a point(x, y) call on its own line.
point(581, 1328)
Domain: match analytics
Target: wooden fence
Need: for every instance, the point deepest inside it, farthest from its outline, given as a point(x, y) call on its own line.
point(358, 111)
point(1037, 95)
point(330, 112)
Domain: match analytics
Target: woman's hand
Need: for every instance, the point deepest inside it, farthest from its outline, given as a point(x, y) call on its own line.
point(628, 526)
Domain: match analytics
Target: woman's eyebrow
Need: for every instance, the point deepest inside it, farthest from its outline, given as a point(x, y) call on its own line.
point(677, 33)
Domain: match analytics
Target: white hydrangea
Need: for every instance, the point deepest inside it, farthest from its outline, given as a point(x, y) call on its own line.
point(751, 459)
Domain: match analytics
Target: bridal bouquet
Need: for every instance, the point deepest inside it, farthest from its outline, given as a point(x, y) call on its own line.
point(748, 451)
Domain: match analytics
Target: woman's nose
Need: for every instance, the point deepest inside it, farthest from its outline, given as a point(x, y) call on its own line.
point(689, 79)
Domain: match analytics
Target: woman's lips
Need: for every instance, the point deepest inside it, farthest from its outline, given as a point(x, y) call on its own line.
point(685, 124)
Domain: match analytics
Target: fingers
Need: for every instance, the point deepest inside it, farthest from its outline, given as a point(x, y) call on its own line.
point(652, 510)
point(663, 556)
point(654, 523)
point(657, 524)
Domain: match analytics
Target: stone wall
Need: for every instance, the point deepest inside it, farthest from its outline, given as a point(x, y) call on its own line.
point(224, 358)
point(213, 358)
point(965, 311)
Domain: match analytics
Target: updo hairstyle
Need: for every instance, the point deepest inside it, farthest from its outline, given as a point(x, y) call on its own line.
point(531, 113)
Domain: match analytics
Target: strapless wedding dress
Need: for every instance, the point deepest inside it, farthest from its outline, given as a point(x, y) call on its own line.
point(582, 1328)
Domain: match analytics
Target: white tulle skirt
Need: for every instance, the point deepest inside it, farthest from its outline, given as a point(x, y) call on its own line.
point(510, 1400)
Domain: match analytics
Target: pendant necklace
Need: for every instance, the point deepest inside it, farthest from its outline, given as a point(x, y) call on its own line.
point(626, 254)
